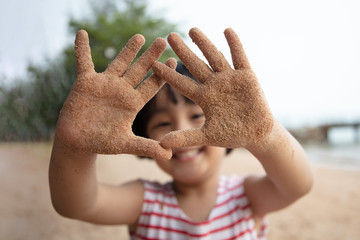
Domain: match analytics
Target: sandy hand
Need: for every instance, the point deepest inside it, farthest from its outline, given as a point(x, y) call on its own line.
point(98, 114)
point(236, 112)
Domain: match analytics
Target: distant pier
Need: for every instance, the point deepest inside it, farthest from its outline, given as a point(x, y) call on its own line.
point(321, 133)
point(324, 129)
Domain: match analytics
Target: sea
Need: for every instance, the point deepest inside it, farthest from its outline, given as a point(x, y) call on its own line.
point(341, 151)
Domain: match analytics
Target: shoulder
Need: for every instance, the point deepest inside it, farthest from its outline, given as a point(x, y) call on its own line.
point(238, 186)
point(152, 188)
point(134, 186)
point(231, 183)
point(232, 187)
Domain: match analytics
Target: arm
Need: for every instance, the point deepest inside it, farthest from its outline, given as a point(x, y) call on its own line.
point(97, 118)
point(288, 174)
point(75, 192)
point(237, 115)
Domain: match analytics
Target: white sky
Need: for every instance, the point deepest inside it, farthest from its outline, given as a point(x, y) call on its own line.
point(305, 53)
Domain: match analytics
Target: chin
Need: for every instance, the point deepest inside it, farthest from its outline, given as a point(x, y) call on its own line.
point(193, 165)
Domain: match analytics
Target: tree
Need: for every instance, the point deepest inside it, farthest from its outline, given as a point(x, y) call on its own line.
point(111, 27)
point(30, 108)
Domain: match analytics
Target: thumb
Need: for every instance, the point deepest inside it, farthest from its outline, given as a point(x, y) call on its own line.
point(147, 148)
point(184, 138)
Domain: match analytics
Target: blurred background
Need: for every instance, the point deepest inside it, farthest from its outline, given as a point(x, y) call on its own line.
point(306, 55)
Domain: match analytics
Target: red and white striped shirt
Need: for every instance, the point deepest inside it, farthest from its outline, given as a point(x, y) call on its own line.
point(162, 219)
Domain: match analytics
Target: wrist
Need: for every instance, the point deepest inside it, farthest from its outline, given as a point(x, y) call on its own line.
point(270, 142)
point(69, 150)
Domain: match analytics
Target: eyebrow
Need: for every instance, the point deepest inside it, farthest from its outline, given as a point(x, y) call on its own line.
point(160, 110)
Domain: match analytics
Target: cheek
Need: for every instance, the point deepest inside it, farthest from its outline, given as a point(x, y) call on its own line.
point(157, 134)
point(216, 153)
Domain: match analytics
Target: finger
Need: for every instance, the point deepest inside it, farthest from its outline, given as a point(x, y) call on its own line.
point(138, 70)
point(184, 138)
point(150, 86)
point(215, 58)
point(123, 60)
point(83, 53)
point(195, 65)
point(238, 55)
point(186, 86)
point(148, 148)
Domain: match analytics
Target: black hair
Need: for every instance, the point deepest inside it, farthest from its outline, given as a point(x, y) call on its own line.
point(140, 123)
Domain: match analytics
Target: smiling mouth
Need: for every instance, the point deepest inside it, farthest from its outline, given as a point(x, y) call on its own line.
point(184, 156)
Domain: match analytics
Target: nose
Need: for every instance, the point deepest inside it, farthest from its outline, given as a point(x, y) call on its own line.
point(183, 124)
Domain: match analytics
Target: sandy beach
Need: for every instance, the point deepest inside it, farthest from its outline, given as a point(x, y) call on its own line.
point(331, 210)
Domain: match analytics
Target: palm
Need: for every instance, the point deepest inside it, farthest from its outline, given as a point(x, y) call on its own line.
point(102, 118)
point(235, 108)
point(237, 93)
point(99, 112)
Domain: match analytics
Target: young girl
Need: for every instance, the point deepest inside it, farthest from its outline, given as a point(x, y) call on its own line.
point(227, 110)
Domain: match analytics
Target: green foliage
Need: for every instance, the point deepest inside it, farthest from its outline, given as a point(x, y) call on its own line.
point(30, 107)
point(111, 27)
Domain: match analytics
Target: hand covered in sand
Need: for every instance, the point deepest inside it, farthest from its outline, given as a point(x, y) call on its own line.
point(98, 114)
point(235, 109)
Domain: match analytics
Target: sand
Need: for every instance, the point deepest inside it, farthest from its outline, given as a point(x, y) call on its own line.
point(331, 211)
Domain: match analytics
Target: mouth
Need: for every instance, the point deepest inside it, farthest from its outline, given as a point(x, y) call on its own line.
point(186, 154)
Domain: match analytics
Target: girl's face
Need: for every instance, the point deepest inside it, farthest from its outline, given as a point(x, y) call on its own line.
point(188, 165)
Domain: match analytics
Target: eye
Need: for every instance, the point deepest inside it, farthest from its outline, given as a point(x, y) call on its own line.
point(197, 116)
point(162, 124)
